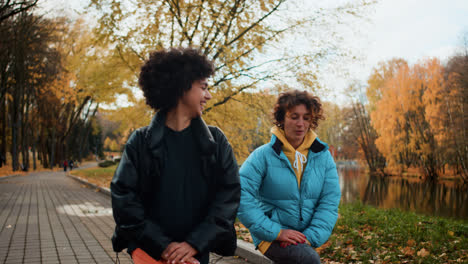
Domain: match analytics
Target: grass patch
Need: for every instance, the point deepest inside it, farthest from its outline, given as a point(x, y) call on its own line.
point(364, 234)
point(97, 175)
point(370, 235)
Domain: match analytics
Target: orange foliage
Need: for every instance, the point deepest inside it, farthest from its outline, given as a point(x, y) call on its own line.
point(411, 118)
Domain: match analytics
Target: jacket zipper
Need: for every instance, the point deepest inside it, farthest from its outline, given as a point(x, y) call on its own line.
point(300, 211)
point(299, 189)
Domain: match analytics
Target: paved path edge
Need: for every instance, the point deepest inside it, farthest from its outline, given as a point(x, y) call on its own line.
point(244, 249)
point(92, 185)
point(10, 176)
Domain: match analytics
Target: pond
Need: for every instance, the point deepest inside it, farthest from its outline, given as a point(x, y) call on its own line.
point(446, 199)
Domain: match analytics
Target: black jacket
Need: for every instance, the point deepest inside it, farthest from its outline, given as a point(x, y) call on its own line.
point(134, 181)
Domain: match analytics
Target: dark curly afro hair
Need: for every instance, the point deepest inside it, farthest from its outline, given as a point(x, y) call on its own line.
point(168, 74)
point(290, 99)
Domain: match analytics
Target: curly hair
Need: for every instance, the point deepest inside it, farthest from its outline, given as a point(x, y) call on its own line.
point(168, 74)
point(290, 99)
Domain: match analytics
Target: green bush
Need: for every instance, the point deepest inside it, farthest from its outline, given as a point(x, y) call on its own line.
point(106, 163)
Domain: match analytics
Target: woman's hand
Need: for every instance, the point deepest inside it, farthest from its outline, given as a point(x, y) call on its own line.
point(180, 253)
point(192, 260)
point(291, 236)
point(285, 244)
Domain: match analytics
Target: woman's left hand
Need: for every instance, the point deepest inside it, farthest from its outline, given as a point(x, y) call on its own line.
point(179, 252)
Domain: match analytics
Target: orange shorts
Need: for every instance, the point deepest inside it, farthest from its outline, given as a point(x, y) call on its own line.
point(140, 257)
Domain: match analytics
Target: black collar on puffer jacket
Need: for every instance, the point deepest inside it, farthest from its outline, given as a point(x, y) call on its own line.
point(316, 146)
point(155, 134)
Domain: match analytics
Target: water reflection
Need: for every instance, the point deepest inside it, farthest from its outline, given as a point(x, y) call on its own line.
point(443, 199)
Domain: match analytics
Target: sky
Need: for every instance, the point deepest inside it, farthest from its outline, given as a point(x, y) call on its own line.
point(408, 29)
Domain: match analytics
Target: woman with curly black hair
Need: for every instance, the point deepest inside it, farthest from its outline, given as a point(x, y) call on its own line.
point(290, 190)
point(176, 190)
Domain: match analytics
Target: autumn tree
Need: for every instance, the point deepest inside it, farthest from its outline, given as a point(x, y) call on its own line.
point(127, 119)
point(11, 8)
point(349, 148)
point(53, 78)
point(93, 78)
point(330, 129)
point(246, 121)
point(454, 104)
point(380, 74)
point(29, 62)
point(236, 34)
point(407, 118)
point(360, 130)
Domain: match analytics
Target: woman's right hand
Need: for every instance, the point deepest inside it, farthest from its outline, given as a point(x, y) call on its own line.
point(291, 236)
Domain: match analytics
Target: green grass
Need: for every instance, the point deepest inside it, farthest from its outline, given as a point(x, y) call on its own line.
point(370, 235)
point(97, 175)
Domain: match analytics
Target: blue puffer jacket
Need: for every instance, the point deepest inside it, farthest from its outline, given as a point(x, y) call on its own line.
point(271, 199)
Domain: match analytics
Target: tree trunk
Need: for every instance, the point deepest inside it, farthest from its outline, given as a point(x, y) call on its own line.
point(52, 148)
point(3, 118)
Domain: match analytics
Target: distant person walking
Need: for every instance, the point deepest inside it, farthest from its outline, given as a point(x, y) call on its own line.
point(71, 164)
point(176, 190)
point(65, 165)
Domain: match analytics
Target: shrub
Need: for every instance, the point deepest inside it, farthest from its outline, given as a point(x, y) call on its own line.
point(106, 163)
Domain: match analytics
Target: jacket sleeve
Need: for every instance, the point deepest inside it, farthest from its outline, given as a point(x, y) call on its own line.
point(127, 207)
point(223, 209)
point(326, 212)
point(250, 212)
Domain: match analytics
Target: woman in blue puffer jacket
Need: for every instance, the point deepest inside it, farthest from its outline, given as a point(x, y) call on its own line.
point(290, 189)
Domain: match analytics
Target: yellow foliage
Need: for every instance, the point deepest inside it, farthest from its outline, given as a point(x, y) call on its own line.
point(245, 120)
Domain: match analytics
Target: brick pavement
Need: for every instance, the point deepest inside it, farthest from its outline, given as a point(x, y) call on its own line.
point(46, 217)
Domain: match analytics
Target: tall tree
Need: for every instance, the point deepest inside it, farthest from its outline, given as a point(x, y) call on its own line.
point(10, 8)
point(31, 60)
point(360, 129)
point(236, 34)
point(246, 120)
point(407, 117)
point(390, 122)
point(454, 105)
point(380, 74)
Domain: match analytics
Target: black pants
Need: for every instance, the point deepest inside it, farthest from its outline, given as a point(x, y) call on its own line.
point(293, 254)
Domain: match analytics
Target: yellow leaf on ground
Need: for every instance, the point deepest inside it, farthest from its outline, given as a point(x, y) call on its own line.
point(451, 233)
point(423, 253)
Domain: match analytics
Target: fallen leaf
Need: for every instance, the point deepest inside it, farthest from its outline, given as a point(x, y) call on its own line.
point(411, 243)
point(323, 247)
point(423, 253)
point(408, 251)
point(451, 233)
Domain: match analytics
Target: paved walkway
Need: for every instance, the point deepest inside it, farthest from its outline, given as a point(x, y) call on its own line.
point(46, 217)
